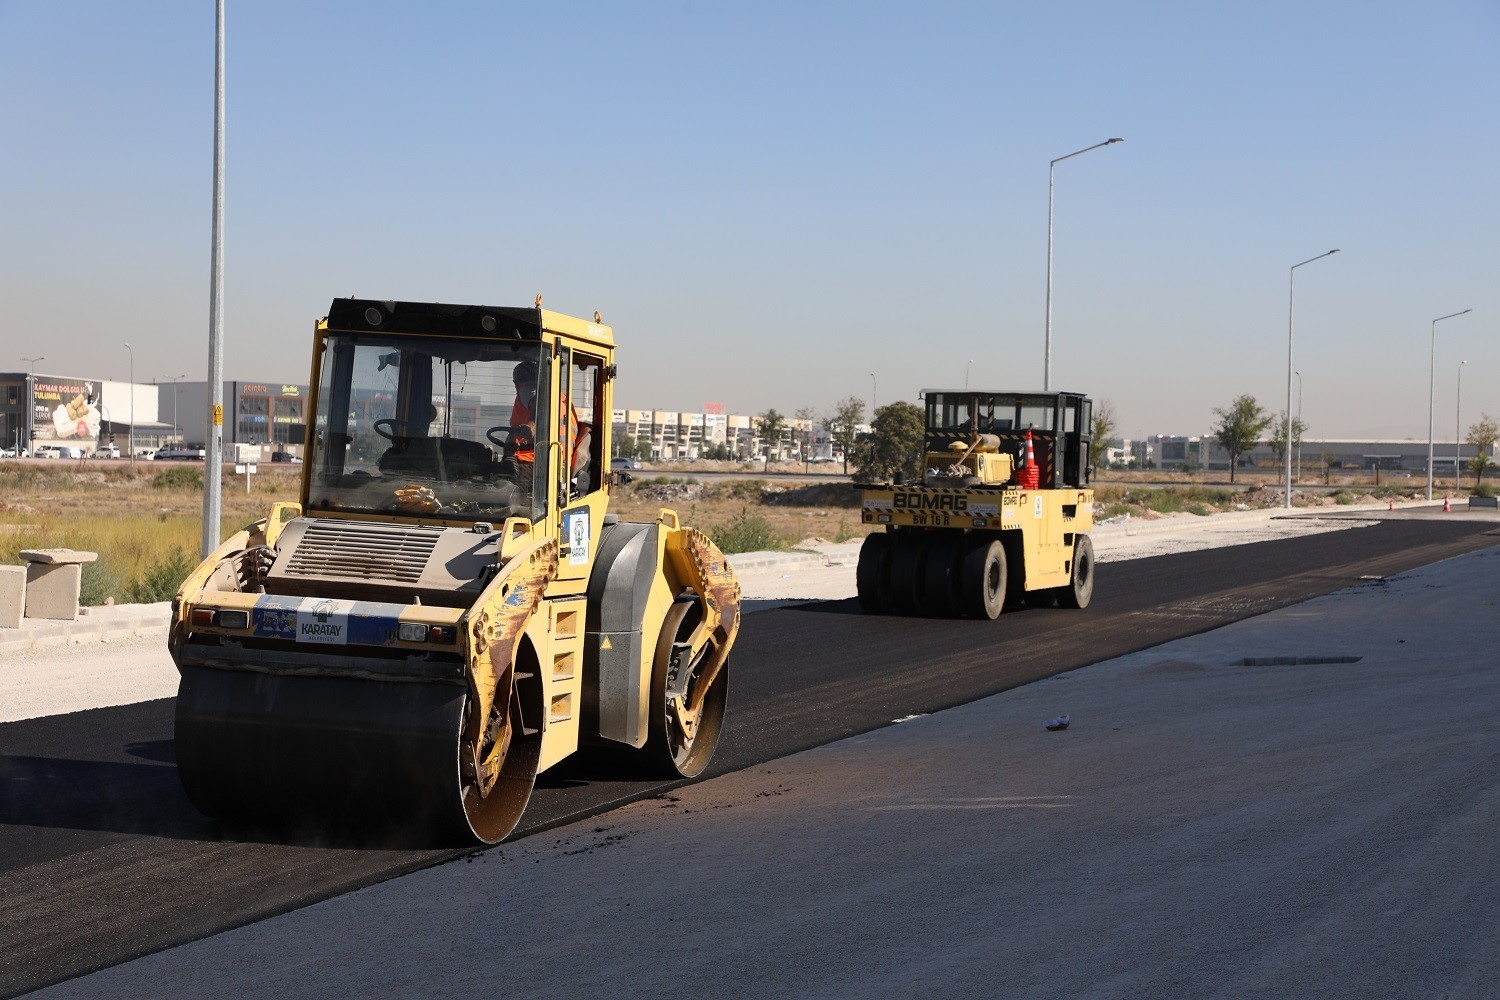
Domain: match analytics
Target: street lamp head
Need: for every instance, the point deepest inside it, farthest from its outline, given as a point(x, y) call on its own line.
point(1115, 139)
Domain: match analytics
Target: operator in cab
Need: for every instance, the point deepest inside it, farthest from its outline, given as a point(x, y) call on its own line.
point(523, 426)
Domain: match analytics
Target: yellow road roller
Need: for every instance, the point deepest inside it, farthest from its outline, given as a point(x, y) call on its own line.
point(1001, 516)
point(448, 609)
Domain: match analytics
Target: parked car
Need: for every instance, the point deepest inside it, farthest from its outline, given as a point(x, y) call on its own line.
point(181, 454)
point(145, 454)
point(108, 451)
point(58, 451)
point(286, 456)
point(625, 463)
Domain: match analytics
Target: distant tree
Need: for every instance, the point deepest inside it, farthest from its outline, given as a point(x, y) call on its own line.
point(1241, 424)
point(630, 446)
point(1278, 435)
point(843, 425)
point(1102, 432)
point(718, 452)
point(1482, 436)
point(806, 417)
point(895, 444)
point(770, 425)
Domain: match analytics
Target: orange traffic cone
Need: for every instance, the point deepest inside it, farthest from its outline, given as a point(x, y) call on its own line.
point(1030, 477)
point(1446, 509)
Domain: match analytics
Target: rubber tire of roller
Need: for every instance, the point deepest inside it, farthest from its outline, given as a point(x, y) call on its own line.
point(1080, 589)
point(982, 580)
point(871, 575)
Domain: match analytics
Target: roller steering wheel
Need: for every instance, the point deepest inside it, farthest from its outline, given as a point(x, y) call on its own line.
point(509, 432)
point(389, 432)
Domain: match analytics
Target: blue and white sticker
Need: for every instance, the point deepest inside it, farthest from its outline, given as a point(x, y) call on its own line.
point(576, 527)
point(326, 621)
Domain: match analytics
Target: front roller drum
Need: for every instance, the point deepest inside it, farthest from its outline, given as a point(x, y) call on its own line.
point(342, 753)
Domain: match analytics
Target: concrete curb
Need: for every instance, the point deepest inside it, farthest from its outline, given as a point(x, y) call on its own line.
point(747, 561)
point(1194, 522)
point(104, 623)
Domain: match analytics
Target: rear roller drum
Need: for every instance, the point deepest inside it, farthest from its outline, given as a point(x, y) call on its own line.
point(982, 580)
point(871, 575)
point(687, 711)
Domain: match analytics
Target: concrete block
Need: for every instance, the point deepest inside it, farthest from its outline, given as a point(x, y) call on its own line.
point(52, 590)
point(54, 556)
point(12, 595)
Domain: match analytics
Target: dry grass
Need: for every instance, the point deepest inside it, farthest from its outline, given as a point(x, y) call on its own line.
point(146, 524)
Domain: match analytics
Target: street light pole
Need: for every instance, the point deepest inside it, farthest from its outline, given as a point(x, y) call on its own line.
point(873, 395)
point(131, 437)
point(967, 368)
point(29, 363)
point(1290, 285)
point(213, 451)
point(1458, 409)
point(1431, 386)
point(1051, 168)
point(173, 379)
point(1297, 426)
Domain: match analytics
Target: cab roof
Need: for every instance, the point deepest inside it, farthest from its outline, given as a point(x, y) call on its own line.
point(453, 320)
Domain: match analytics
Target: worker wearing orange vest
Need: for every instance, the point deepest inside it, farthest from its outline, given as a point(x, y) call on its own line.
point(523, 420)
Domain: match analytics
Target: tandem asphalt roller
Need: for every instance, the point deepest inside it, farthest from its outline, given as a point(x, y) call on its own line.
point(448, 609)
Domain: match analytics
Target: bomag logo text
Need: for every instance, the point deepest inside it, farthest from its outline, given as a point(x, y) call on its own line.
point(932, 501)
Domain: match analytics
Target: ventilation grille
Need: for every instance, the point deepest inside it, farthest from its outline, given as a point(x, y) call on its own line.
point(355, 550)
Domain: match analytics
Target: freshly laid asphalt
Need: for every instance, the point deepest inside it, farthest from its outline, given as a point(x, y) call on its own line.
point(1299, 802)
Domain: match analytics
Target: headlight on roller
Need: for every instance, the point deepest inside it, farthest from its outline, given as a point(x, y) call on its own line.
point(233, 619)
point(221, 619)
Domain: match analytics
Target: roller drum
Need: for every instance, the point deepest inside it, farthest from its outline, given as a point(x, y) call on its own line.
point(275, 749)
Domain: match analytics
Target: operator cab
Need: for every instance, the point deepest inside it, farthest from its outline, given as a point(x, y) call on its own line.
point(450, 411)
point(1061, 424)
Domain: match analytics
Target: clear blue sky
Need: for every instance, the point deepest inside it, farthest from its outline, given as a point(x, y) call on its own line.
point(769, 201)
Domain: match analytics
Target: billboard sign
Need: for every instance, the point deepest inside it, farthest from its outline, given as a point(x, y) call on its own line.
point(64, 410)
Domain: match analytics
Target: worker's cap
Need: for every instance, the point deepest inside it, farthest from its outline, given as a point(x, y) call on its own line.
point(524, 372)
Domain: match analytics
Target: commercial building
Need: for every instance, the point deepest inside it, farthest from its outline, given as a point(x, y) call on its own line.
point(39, 409)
